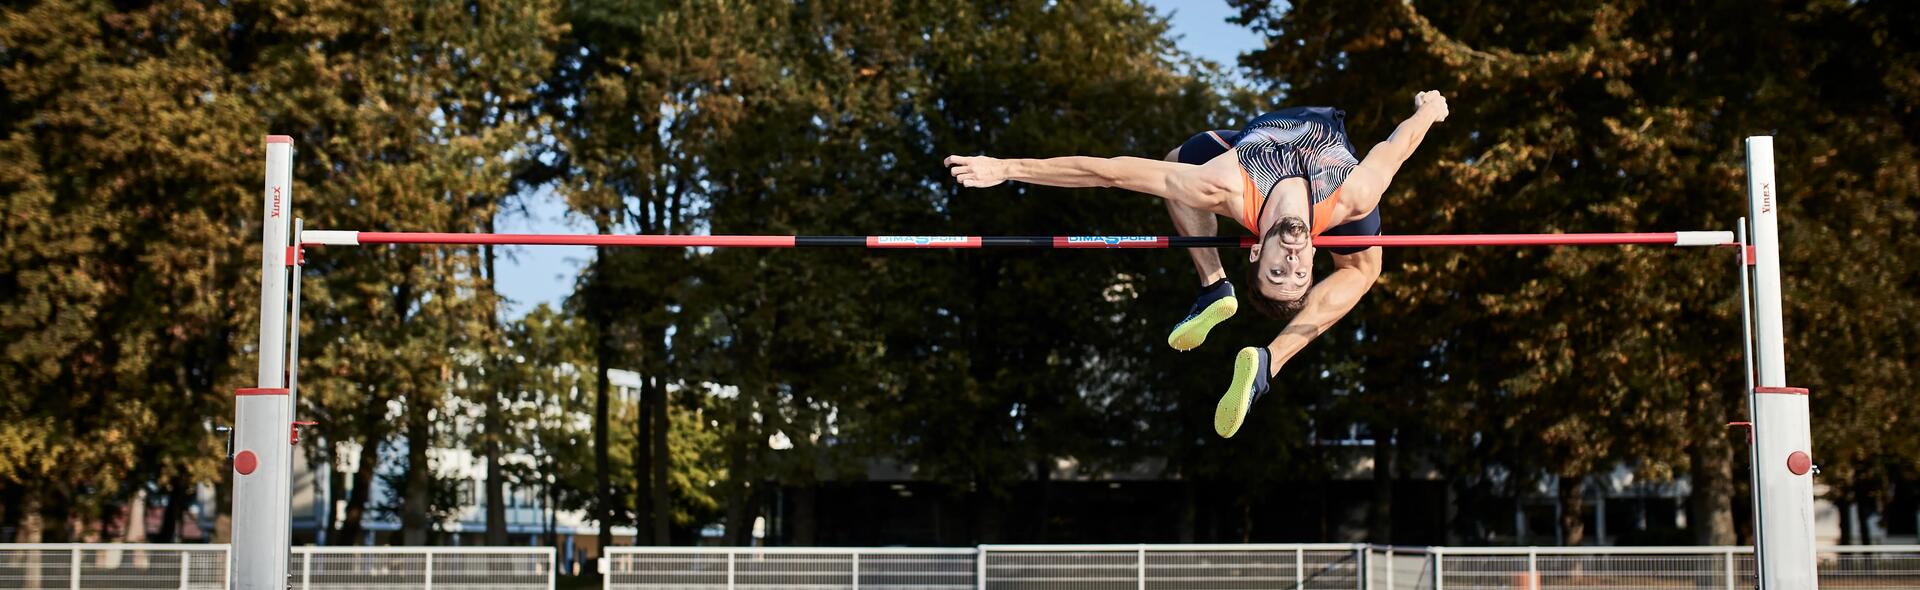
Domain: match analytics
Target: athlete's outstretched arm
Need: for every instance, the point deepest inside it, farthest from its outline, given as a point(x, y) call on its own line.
point(1140, 175)
point(1327, 302)
point(1369, 180)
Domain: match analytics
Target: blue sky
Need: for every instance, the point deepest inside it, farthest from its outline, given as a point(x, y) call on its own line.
point(533, 275)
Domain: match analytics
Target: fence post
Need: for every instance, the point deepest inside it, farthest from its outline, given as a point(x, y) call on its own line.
point(1299, 567)
point(980, 567)
point(1140, 567)
point(1366, 569)
point(186, 568)
point(1533, 569)
point(856, 570)
point(1732, 576)
point(429, 580)
point(730, 557)
point(1365, 581)
point(73, 575)
point(306, 571)
point(1439, 568)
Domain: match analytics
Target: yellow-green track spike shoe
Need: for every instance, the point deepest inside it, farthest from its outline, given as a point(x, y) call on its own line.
point(1215, 305)
point(1249, 383)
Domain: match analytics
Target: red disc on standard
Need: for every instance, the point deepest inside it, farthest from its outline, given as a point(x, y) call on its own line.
point(1799, 463)
point(245, 462)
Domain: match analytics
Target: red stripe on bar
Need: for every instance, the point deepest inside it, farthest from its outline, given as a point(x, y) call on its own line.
point(676, 241)
point(1751, 258)
point(260, 391)
point(1110, 241)
point(1782, 390)
point(923, 241)
point(1667, 238)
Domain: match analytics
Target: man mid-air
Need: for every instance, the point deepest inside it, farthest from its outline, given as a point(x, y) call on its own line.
point(1289, 176)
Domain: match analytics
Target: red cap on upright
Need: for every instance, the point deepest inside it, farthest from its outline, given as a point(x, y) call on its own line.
point(279, 139)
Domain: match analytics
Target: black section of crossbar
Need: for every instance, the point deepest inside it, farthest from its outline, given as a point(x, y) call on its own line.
point(829, 241)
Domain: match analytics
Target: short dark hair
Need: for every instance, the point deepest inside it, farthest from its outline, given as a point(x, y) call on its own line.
point(1267, 306)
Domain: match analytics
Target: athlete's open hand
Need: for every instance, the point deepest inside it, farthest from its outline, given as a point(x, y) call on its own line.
point(977, 171)
point(1431, 100)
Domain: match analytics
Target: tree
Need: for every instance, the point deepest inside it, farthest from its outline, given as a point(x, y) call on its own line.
point(124, 175)
point(1606, 118)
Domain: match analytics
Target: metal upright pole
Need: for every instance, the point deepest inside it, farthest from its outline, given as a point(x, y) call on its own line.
point(1782, 435)
point(261, 474)
point(1745, 263)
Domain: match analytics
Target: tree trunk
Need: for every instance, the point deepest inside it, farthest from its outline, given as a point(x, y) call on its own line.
point(32, 530)
point(495, 431)
point(136, 528)
point(496, 476)
point(740, 512)
point(602, 386)
point(417, 497)
point(805, 516)
point(1043, 473)
point(550, 507)
point(643, 506)
point(1246, 520)
point(1189, 509)
point(987, 516)
point(177, 498)
point(739, 516)
point(223, 509)
point(1573, 511)
point(1380, 515)
point(1710, 507)
point(33, 527)
point(1848, 521)
point(357, 498)
point(662, 503)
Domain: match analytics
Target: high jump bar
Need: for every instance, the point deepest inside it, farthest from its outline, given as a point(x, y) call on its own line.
point(356, 238)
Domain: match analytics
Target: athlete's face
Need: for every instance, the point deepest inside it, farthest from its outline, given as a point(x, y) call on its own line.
point(1284, 259)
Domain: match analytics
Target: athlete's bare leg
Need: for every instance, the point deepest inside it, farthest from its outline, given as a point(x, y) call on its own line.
point(1194, 222)
point(1216, 302)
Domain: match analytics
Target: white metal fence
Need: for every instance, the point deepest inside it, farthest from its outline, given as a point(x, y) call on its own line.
point(1706, 568)
point(788, 567)
point(443, 568)
point(814, 568)
point(113, 566)
point(1171, 567)
point(76, 566)
point(988, 567)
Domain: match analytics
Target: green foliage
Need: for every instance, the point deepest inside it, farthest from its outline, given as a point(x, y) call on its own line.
point(129, 161)
point(1622, 117)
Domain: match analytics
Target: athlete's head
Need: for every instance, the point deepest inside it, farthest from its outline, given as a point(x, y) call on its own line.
point(1281, 269)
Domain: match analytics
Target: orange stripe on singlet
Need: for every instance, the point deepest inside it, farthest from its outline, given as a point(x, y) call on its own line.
point(1252, 202)
point(1323, 213)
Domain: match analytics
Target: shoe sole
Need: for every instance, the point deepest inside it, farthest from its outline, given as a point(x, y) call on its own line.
point(1191, 333)
point(1232, 410)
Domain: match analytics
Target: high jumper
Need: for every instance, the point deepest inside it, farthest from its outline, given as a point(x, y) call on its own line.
point(1290, 176)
